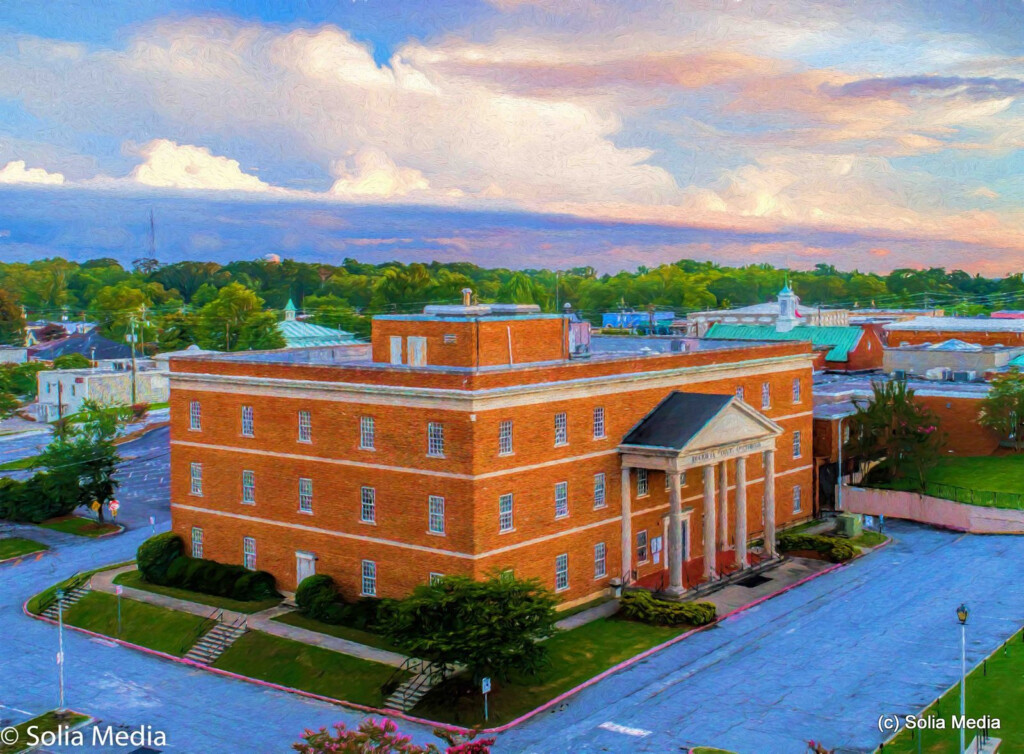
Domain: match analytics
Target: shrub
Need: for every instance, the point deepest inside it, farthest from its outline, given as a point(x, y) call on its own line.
point(139, 410)
point(156, 554)
point(218, 579)
point(317, 598)
point(255, 585)
point(642, 606)
point(40, 497)
point(834, 549)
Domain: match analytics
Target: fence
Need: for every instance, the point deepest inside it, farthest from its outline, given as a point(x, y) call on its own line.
point(990, 498)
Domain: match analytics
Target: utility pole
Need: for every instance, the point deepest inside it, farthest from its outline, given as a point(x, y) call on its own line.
point(131, 339)
point(60, 649)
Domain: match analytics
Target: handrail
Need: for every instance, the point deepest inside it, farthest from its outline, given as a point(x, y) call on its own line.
point(418, 668)
point(209, 622)
point(71, 583)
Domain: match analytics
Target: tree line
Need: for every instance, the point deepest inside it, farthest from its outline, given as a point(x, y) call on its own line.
point(232, 306)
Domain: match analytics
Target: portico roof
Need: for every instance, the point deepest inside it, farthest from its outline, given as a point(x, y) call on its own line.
point(699, 425)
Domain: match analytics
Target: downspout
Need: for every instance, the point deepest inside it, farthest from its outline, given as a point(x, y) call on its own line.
point(508, 328)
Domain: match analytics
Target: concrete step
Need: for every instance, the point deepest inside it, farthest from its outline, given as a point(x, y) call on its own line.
point(214, 643)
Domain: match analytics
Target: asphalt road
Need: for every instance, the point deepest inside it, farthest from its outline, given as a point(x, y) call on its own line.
point(821, 662)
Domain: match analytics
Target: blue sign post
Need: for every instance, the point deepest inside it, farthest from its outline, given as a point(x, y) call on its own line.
point(485, 685)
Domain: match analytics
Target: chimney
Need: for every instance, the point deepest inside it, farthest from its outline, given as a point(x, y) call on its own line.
point(467, 296)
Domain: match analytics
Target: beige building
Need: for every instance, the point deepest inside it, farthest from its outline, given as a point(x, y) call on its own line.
point(951, 360)
point(784, 313)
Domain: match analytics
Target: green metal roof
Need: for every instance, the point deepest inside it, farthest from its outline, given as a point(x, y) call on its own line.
point(839, 340)
point(299, 334)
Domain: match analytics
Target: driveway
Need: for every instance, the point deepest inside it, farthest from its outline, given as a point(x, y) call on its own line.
point(822, 661)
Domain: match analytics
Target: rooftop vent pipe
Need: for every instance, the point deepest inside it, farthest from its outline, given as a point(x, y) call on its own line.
point(467, 296)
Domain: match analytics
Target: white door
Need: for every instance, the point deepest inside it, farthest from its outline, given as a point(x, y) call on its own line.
point(305, 566)
point(417, 351)
point(396, 349)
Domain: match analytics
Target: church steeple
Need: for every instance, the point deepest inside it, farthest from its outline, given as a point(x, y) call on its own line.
point(289, 311)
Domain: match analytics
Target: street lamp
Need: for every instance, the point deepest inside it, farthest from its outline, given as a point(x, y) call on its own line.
point(961, 615)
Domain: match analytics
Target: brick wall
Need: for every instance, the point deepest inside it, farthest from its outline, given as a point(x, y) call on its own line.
point(896, 337)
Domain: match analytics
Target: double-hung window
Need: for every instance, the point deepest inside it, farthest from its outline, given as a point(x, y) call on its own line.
point(368, 505)
point(305, 426)
point(642, 486)
point(435, 439)
point(197, 542)
point(599, 423)
point(562, 572)
point(435, 514)
point(600, 561)
point(249, 553)
point(196, 478)
point(505, 438)
point(367, 436)
point(561, 429)
point(249, 487)
point(561, 499)
point(506, 520)
point(369, 585)
point(306, 495)
point(766, 395)
point(248, 422)
point(195, 415)
point(797, 451)
point(641, 546)
point(600, 500)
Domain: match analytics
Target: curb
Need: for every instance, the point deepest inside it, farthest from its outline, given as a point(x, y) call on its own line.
point(35, 555)
point(448, 726)
point(256, 681)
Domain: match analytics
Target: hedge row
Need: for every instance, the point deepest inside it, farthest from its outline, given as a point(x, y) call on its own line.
point(642, 606)
point(834, 549)
point(40, 497)
point(162, 560)
point(317, 597)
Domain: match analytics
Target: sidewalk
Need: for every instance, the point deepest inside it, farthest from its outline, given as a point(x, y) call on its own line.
point(261, 621)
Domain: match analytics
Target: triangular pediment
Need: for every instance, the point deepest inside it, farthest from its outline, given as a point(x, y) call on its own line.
point(687, 423)
point(735, 423)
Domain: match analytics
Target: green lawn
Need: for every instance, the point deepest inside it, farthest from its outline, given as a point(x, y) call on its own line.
point(19, 464)
point(13, 547)
point(868, 539)
point(996, 481)
point(47, 594)
point(79, 525)
point(150, 626)
point(575, 655)
point(47, 722)
point(134, 580)
point(999, 693)
point(301, 666)
point(342, 632)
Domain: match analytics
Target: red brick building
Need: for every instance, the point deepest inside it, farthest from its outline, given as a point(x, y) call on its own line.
point(477, 439)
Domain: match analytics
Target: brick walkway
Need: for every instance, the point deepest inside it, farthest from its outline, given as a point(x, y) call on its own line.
point(261, 621)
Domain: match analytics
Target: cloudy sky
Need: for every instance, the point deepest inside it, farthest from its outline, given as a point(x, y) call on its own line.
point(867, 133)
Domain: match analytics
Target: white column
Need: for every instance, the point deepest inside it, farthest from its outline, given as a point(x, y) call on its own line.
point(723, 505)
point(741, 512)
point(675, 534)
point(710, 564)
point(769, 502)
point(627, 527)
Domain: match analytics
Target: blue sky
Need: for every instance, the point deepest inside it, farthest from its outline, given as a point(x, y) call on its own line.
point(868, 132)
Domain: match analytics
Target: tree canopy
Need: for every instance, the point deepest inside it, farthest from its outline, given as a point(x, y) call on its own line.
point(1002, 410)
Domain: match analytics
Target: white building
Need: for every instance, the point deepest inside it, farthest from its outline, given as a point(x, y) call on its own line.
point(784, 313)
point(63, 391)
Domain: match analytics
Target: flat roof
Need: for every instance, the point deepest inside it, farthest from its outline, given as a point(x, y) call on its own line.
point(958, 324)
point(834, 394)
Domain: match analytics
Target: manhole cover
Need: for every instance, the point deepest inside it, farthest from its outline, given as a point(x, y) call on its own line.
point(751, 581)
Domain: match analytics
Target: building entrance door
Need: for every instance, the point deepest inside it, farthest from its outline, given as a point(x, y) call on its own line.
point(305, 566)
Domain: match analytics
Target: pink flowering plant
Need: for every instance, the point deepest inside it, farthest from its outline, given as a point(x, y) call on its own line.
point(383, 737)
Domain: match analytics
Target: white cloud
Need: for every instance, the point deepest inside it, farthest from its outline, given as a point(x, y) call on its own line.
point(16, 172)
point(183, 166)
point(378, 177)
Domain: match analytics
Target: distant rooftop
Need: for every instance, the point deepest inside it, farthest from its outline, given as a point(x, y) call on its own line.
point(959, 324)
point(840, 340)
point(834, 394)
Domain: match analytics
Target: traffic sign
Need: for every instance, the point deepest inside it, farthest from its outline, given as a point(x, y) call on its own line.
point(485, 685)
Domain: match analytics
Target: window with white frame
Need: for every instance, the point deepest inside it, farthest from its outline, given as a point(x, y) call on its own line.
point(562, 572)
point(766, 395)
point(249, 553)
point(196, 476)
point(435, 439)
point(435, 578)
point(642, 487)
point(506, 518)
point(248, 424)
point(600, 561)
point(305, 426)
point(797, 499)
point(197, 542)
point(641, 546)
point(249, 487)
point(368, 505)
point(195, 416)
point(797, 387)
point(561, 499)
point(561, 429)
point(505, 438)
point(306, 495)
point(367, 434)
point(599, 423)
point(739, 392)
point(600, 499)
point(369, 585)
point(796, 444)
point(435, 514)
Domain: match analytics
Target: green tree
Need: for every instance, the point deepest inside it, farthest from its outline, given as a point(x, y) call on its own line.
point(493, 627)
point(1002, 410)
point(177, 331)
point(332, 311)
point(72, 361)
point(12, 322)
point(84, 458)
point(895, 431)
point(235, 321)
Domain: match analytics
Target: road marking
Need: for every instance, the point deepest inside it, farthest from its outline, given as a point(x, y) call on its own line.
point(625, 730)
point(20, 711)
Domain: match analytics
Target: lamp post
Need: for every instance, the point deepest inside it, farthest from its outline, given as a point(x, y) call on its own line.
point(961, 615)
point(60, 649)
